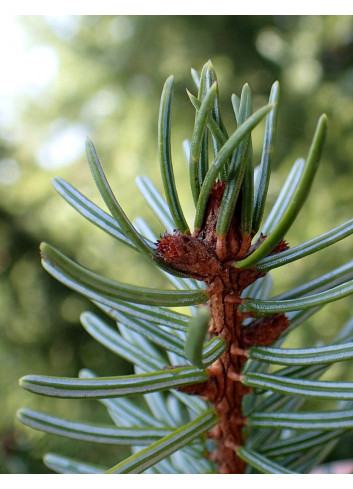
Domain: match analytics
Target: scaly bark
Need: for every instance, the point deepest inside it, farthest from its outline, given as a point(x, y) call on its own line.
point(211, 258)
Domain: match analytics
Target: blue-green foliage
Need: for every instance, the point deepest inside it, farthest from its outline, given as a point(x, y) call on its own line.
point(165, 427)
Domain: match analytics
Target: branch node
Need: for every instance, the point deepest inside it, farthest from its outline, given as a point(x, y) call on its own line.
point(215, 369)
point(239, 352)
point(231, 445)
point(215, 432)
point(232, 375)
point(234, 299)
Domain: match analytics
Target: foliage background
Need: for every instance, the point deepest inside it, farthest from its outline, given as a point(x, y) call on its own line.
point(102, 76)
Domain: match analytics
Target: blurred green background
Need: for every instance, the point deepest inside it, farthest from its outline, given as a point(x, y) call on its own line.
point(70, 76)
